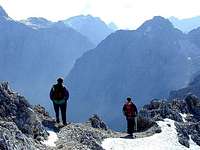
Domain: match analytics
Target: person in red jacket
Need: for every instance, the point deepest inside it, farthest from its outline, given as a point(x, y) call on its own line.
point(130, 111)
point(59, 95)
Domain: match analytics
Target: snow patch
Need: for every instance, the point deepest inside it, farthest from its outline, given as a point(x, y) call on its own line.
point(166, 140)
point(52, 138)
point(192, 144)
point(183, 117)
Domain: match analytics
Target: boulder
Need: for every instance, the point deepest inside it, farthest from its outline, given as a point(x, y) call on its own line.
point(15, 108)
point(96, 122)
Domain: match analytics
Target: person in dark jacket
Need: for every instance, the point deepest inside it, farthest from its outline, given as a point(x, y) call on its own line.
point(59, 96)
point(130, 111)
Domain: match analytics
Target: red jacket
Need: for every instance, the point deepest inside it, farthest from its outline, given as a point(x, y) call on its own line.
point(129, 109)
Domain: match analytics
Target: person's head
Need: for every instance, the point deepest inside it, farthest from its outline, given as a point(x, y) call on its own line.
point(128, 99)
point(60, 80)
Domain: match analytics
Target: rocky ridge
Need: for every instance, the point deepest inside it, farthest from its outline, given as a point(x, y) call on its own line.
point(23, 126)
point(185, 113)
point(20, 127)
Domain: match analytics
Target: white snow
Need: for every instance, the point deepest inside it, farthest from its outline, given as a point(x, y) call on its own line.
point(193, 145)
point(166, 140)
point(183, 116)
point(52, 138)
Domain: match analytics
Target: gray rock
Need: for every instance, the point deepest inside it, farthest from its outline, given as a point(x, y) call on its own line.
point(183, 136)
point(11, 138)
point(163, 109)
point(20, 126)
point(193, 104)
point(15, 108)
point(44, 116)
point(96, 122)
point(158, 110)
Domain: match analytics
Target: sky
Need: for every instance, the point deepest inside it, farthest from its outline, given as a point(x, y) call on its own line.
point(124, 13)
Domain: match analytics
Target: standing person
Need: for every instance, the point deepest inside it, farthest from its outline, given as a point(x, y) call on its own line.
point(59, 95)
point(130, 111)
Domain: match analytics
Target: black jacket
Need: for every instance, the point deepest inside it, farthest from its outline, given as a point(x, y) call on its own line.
point(66, 93)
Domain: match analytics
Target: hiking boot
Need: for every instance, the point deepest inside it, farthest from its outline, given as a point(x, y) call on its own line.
point(67, 123)
point(131, 134)
point(57, 125)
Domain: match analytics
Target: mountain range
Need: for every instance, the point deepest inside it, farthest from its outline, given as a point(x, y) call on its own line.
point(186, 25)
point(32, 58)
point(145, 63)
point(91, 27)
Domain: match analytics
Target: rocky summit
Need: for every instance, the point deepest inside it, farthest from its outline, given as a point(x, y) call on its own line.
point(23, 126)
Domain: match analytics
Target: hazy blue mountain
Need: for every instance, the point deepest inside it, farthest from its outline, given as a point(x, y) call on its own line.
point(192, 88)
point(194, 85)
point(31, 59)
point(3, 12)
point(145, 63)
point(35, 22)
point(91, 27)
point(113, 26)
point(186, 25)
point(194, 36)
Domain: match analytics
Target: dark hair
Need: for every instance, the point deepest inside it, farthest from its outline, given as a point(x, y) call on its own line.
point(60, 80)
point(128, 99)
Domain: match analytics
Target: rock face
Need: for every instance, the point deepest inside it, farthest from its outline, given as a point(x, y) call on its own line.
point(105, 76)
point(186, 127)
point(20, 127)
point(192, 88)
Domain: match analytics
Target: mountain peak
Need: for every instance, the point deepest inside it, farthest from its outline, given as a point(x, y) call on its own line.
point(156, 23)
point(92, 27)
point(38, 19)
point(37, 22)
point(3, 12)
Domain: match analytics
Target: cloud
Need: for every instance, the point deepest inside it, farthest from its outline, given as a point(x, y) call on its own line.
point(125, 13)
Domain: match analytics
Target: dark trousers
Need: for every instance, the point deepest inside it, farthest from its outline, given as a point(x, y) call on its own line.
point(130, 124)
point(63, 108)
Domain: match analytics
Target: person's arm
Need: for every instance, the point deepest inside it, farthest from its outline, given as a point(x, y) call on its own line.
point(66, 94)
point(124, 110)
point(51, 93)
point(135, 108)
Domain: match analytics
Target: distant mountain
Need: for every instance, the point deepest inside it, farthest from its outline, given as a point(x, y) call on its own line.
point(186, 25)
point(3, 12)
point(194, 36)
point(32, 58)
point(113, 26)
point(192, 88)
point(37, 22)
point(145, 63)
point(92, 27)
